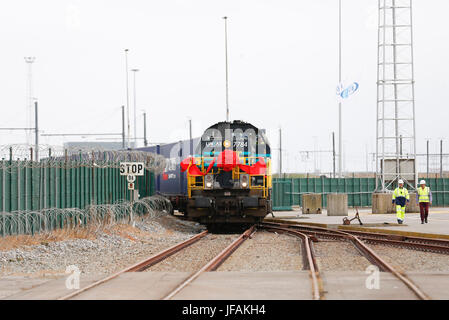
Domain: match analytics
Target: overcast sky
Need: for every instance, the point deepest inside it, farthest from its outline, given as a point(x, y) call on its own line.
point(283, 62)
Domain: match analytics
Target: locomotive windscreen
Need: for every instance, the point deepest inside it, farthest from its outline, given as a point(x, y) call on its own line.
point(238, 136)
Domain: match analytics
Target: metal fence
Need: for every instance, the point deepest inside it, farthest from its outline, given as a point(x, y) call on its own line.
point(287, 192)
point(73, 179)
point(65, 182)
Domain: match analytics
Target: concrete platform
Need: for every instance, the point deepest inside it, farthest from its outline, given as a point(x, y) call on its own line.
point(351, 286)
point(287, 285)
point(436, 285)
point(12, 285)
point(136, 286)
point(438, 226)
point(39, 289)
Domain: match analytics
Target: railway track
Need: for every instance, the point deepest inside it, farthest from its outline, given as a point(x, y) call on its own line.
point(414, 243)
point(309, 258)
point(213, 264)
point(358, 240)
point(308, 235)
point(155, 259)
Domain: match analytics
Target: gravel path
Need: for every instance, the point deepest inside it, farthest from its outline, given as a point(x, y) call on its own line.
point(339, 256)
point(192, 258)
point(412, 260)
point(107, 251)
point(266, 251)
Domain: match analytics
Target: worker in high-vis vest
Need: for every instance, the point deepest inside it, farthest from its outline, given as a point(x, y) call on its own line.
point(400, 198)
point(424, 198)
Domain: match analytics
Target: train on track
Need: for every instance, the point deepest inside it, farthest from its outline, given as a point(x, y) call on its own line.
point(223, 177)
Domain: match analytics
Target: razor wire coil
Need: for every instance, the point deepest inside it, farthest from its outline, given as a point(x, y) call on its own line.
point(49, 219)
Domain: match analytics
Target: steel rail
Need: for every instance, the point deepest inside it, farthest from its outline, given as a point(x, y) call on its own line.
point(313, 268)
point(410, 239)
point(419, 243)
point(213, 264)
point(424, 247)
point(370, 254)
point(142, 265)
point(374, 258)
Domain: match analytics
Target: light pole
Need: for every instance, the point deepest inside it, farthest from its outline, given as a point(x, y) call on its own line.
point(226, 64)
point(123, 127)
point(135, 111)
point(340, 145)
point(29, 61)
point(36, 130)
point(127, 94)
point(145, 141)
point(190, 137)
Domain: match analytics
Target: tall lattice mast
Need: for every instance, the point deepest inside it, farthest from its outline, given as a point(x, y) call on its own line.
point(395, 143)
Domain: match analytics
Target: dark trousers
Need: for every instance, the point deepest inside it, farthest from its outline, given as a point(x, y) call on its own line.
point(424, 210)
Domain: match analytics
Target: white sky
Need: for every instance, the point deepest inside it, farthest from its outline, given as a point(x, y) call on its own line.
point(283, 69)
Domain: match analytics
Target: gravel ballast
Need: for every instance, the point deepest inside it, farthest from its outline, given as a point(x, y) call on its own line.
point(195, 256)
point(110, 250)
point(266, 251)
point(409, 260)
point(339, 256)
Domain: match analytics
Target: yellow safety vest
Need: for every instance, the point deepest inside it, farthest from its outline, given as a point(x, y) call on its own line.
point(423, 194)
point(398, 192)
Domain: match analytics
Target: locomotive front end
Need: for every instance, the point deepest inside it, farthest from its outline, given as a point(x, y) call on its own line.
point(229, 177)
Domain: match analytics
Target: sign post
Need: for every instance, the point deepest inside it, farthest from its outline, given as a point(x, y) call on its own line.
point(131, 170)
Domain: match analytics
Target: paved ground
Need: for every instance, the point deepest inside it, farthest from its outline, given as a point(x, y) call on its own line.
point(438, 220)
point(258, 285)
point(24, 288)
point(288, 285)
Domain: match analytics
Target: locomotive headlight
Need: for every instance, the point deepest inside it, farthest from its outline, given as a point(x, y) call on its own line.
point(209, 181)
point(244, 180)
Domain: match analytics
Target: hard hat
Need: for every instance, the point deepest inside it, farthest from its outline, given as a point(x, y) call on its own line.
point(401, 181)
point(422, 182)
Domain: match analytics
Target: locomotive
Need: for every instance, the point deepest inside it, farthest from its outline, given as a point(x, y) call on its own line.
point(223, 178)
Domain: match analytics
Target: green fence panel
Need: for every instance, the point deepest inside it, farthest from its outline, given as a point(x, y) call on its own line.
point(2, 179)
point(62, 192)
point(68, 188)
point(73, 187)
point(359, 190)
point(82, 187)
point(47, 187)
point(87, 186)
point(14, 189)
point(35, 188)
point(21, 188)
point(282, 194)
point(29, 188)
point(52, 188)
point(64, 185)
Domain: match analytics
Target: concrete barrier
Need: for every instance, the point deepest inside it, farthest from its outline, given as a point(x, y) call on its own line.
point(412, 207)
point(382, 204)
point(311, 203)
point(337, 204)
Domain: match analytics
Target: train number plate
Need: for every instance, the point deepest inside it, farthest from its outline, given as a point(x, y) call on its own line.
point(227, 193)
